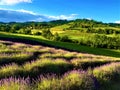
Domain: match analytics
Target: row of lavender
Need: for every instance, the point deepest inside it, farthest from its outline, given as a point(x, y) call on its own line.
point(72, 80)
point(27, 67)
point(46, 66)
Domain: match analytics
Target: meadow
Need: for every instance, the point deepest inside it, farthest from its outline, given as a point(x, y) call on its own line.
point(38, 39)
point(38, 67)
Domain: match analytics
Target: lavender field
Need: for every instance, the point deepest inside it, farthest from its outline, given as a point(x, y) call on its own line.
point(37, 67)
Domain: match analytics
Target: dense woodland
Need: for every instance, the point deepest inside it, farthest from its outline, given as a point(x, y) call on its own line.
point(103, 35)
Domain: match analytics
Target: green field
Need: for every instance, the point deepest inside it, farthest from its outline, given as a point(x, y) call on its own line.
point(65, 45)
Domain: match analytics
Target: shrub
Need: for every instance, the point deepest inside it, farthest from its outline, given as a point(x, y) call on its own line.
point(85, 64)
point(74, 80)
point(107, 73)
point(65, 38)
point(18, 58)
point(14, 84)
point(10, 70)
point(47, 66)
point(47, 34)
point(101, 41)
point(36, 33)
point(78, 80)
point(49, 83)
point(25, 31)
point(56, 37)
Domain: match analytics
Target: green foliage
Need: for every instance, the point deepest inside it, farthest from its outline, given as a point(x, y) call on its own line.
point(14, 84)
point(47, 66)
point(73, 80)
point(56, 37)
point(18, 58)
point(65, 39)
point(25, 31)
point(9, 70)
point(101, 41)
point(47, 34)
point(107, 73)
point(36, 33)
point(85, 64)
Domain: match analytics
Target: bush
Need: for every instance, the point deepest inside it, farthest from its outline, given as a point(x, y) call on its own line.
point(14, 84)
point(25, 31)
point(85, 64)
point(36, 33)
point(107, 73)
point(101, 41)
point(56, 37)
point(47, 66)
point(65, 38)
point(74, 80)
point(47, 34)
point(18, 58)
point(10, 70)
point(77, 80)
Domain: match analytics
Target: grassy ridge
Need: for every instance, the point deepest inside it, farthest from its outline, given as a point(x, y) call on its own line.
point(64, 45)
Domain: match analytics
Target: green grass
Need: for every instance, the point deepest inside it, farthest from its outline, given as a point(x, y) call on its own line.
point(65, 45)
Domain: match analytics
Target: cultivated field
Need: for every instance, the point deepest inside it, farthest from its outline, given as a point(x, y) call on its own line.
point(37, 67)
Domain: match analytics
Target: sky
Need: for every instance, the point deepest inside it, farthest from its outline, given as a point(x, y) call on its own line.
point(107, 11)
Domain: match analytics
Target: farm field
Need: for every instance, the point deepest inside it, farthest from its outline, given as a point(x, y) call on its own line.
point(38, 67)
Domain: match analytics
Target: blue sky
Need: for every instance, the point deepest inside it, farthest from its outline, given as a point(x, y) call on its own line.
point(45, 10)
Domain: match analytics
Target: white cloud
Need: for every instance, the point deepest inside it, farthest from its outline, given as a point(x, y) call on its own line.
point(26, 11)
point(13, 2)
point(68, 17)
point(9, 15)
point(89, 18)
point(17, 15)
point(117, 21)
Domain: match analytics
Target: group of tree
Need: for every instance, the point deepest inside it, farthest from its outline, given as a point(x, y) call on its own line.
point(55, 37)
point(96, 40)
point(101, 41)
point(87, 25)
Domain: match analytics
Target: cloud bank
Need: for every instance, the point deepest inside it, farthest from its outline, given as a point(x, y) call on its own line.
point(24, 15)
point(118, 22)
point(13, 2)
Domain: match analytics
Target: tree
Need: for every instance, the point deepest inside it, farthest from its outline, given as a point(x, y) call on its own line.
point(56, 37)
point(47, 34)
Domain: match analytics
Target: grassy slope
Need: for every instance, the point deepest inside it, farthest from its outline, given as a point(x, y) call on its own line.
point(65, 45)
point(76, 34)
